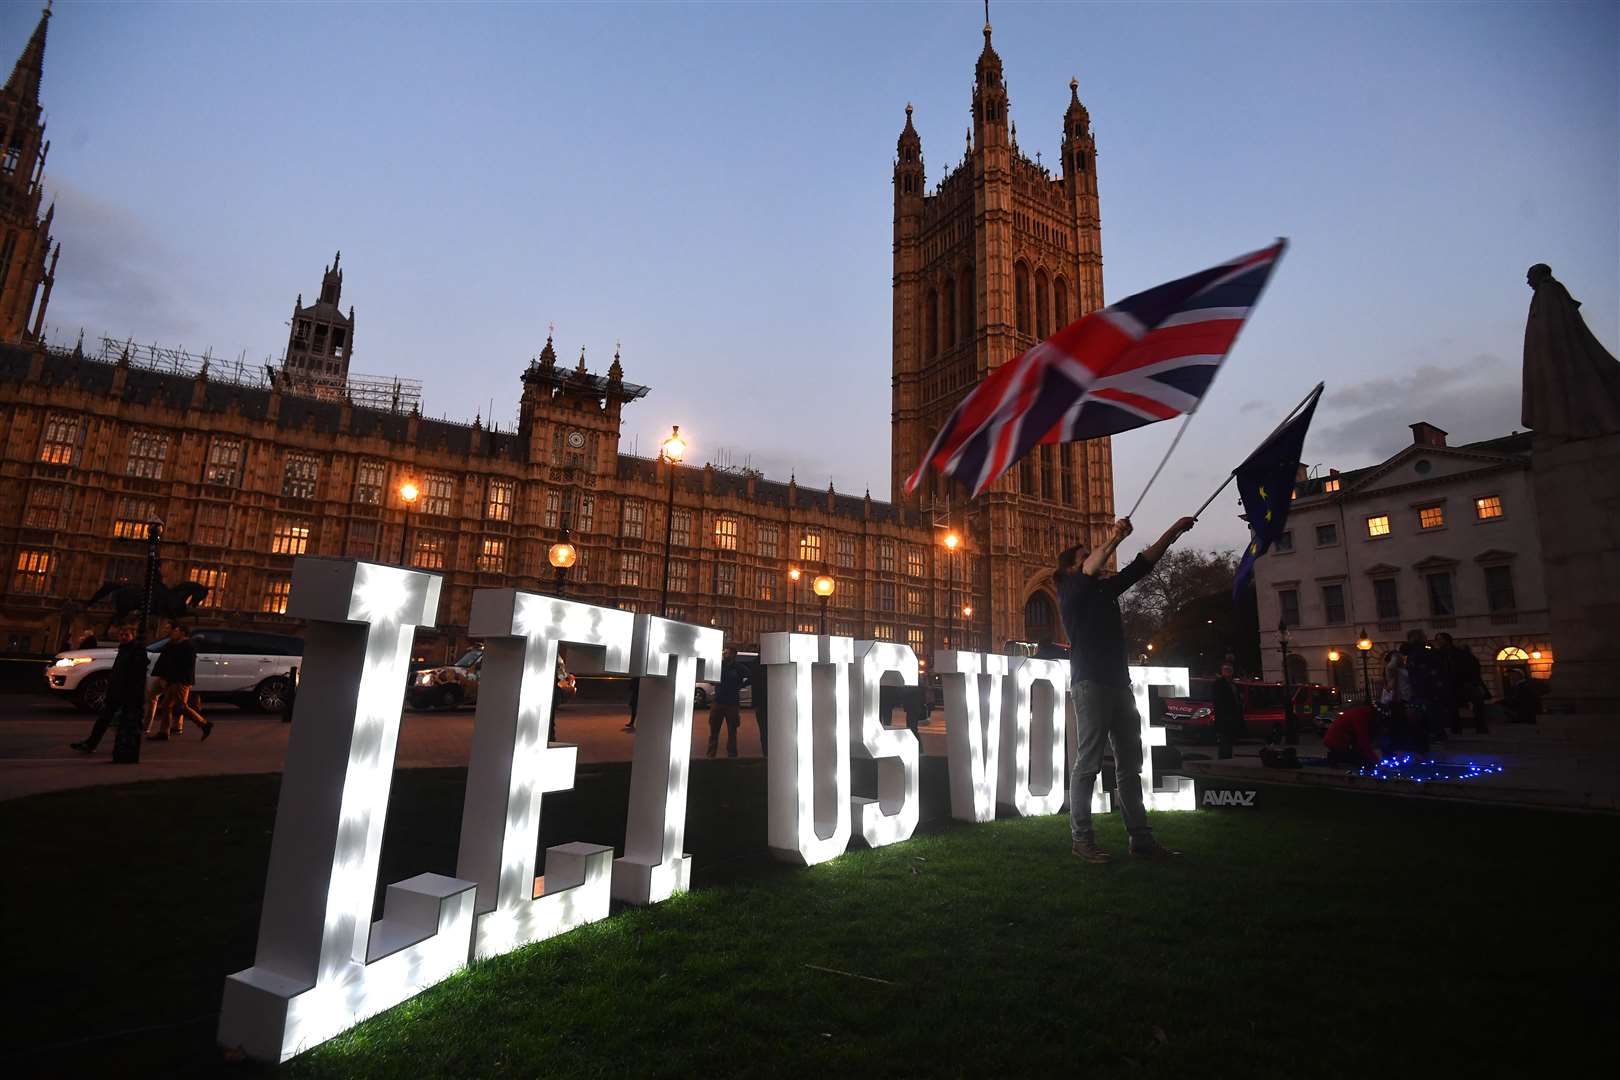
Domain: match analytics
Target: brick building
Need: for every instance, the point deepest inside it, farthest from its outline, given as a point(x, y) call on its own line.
point(247, 473)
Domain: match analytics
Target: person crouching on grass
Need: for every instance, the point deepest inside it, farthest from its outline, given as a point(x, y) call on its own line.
point(1104, 706)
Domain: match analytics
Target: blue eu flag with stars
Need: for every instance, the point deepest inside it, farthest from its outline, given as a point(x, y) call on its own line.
point(1265, 483)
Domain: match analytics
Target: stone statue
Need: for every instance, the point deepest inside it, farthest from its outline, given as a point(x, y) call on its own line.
point(1571, 383)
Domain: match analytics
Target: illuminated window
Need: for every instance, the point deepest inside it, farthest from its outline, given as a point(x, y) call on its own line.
point(769, 541)
point(1330, 486)
point(680, 528)
point(725, 533)
point(214, 580)
point(807, 628)
point(1378, 525)
point(680, 576)
point(440, 495)
point(886, 556)
point(33, 572)
point(914, 562)
point(148, 451)
point(362, 542)
point(498, 504)
point(1499, 589)
point(299, 476)
point(133, 514)
point(289, 536)
point(48, 506)
point(213, 527)
point(224, 465)
point(882, 632)
point(60, 445)
point(370, 477)
point(916, 603)
point(629, 568)
point(1513, 652)
point(632, 520)
point(276, 592)
point(810, 546)
point(914, 638)
point(846, 552)
point(1488, 506)
point(1431, 517)
point(428, 550)
point(767, 585)
point(725, 579)
point(492, 556)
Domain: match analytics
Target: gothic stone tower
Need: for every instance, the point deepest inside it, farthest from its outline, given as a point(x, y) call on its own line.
point(999, 256)
point(322, 339)
point(25, 237)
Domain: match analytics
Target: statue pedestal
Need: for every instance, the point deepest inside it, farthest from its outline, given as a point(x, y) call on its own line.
point(1577, 486)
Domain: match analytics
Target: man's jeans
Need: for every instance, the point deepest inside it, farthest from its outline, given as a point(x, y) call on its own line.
point(1102, 713)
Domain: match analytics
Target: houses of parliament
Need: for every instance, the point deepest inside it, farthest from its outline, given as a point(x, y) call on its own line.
point(247, 472)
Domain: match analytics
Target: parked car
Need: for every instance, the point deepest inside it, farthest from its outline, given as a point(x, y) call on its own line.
point(454, 685)
point(246, 668)
point(1193, 716)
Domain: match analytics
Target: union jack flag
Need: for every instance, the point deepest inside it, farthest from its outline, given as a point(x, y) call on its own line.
point(1147, 358)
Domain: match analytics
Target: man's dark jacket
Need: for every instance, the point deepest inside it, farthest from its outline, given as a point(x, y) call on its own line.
point(177, 662)
point(128, 680)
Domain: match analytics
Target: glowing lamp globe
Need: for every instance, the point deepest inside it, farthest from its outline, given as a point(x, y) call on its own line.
point(1333, 656)
point(674, 447)
point(795, 573)
point(562, 555)
point(824, 585)
point(952, 541)
point(408, 492)
point(1364, 643)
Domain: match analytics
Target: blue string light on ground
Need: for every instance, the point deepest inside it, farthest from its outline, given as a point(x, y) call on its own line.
point(1407, 767)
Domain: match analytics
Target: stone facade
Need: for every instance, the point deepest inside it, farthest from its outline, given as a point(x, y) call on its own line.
point(321, 342)
point(998, 257)
point(25, 237)
point(1435, 538)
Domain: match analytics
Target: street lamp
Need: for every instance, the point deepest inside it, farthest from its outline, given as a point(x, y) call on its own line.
point(967, 626)
point(408, 494)
point(952, 541)
point(562, 556)
point(794, 574)
point(1290, 725)
point(1364, 646)
point(670, 453)
point(824, 586)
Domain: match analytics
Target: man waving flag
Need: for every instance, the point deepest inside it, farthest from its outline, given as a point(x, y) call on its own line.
point(1148, 357)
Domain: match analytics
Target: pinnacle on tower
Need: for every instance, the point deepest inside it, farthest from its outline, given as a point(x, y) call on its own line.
point(30, 67)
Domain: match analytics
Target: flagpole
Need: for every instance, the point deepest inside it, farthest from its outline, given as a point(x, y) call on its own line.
point(1162, 463)
point(1231, 475)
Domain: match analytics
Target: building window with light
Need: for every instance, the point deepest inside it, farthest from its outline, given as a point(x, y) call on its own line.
point(680, 528)
point(1499, 596)
point(498, 503)
point(289, 536)
point(914, 638)
point(770, 541)
point(1330, 485)
point(629, 568)
point(1288, 602)
point(1487, 507)
point(363, 537)
point(370, 477)
point(1431, 517)
point(428, 550)
point(725, 579)
point(767, 585)
point(213, 579)
point(810, 546)
point(224, 465)
point(916, 603)
point(914, 562)
point(60, 444)
point(1327, 534)
point(1441, 604)
point(299, 476)
point(48, 506)
point(846, 552)
point(882, 632)
point(885, 556)
point(438, 500)
point(133, 514)
point(632, 520)
point(32, 576)
point(276, 593)
point(148, 453)
point(725, 533)
point(1387, 597)
point(492, 556)
point(1377, 525)
point(1333, 603)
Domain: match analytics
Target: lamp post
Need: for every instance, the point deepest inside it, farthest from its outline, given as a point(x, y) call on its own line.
point(408, 494)
point(967, 626)
point(794, 574)
point(1364, 646)
point(562, 556)
point(1290, 725)
point(670, 453)
point(952, 542)
point(824, 586)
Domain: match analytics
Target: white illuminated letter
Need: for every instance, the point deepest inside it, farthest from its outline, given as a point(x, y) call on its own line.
point(666, 657)
point(513, 766)
point(321, 965)
point(1032, 736)
point(972, 684)
point(1179, 794)
point(892, 816)
point(807, 819)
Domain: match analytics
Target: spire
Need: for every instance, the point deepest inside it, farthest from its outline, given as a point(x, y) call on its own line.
point(908, 163)
point(548, 355)
point(616, 370)
point(581, 367)
point(332, 282)
point(30, 67)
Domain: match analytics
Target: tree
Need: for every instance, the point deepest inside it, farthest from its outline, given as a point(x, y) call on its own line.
point(1184, 607)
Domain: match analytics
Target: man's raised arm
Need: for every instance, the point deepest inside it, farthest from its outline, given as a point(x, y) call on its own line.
point(1099, 556)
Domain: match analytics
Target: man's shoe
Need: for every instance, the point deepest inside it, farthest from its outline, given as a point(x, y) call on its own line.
point(208, 729)
point(1156, 852)
point(712, 749)
point(82, 747)
point(1088, 851)
point(631, 728)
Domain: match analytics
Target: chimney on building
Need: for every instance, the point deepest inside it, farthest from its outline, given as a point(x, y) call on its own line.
point(1426, 434)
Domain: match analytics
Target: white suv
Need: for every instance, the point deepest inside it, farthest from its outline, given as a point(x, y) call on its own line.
point(247, 669)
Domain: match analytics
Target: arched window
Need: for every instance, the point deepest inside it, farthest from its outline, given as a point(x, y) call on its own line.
point(1040, 618)
point(1060, 303)
point(965, 306)
point(931, 325)
point(1021, 297)
point(950, 312)
point(1043, 305)
point(1513, 652)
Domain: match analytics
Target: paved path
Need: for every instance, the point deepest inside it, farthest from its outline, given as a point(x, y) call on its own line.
point(35, 731)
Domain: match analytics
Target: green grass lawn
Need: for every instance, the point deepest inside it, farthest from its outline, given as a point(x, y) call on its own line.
point(1317, 932)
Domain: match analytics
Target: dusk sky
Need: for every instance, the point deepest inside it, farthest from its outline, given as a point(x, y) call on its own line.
point(710, 185)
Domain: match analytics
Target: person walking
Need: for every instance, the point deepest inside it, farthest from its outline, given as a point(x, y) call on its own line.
point(1228, 705)
point(1467, 684)
point(760, 680)
point(177, 666)
point(1105, 709)
point(89, 640)
point(635, 703)
point(1429, 690)
point(126, 688)
point(1520, 699)
point(727, 702)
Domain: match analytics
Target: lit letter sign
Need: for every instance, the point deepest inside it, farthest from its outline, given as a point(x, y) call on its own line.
point(892, 816)
point(655, 864)
point(513, 766)
point(1179, 795)
point(1032, 736)
point(972, 684)
point(807, 820)
point(322, 965)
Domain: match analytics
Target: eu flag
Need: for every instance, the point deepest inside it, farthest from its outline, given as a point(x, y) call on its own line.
point(1265, 483)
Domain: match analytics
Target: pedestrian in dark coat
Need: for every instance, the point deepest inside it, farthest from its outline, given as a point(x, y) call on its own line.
point(1228, 705)
point(177, 667)
point(126, 688)
point(727, 705)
